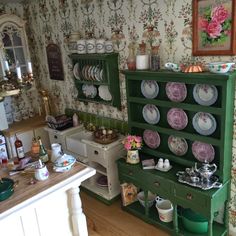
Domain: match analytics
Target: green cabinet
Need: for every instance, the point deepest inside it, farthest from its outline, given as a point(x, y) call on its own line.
point(96, 78)
point(165, 184)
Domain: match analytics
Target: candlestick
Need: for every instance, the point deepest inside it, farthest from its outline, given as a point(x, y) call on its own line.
point(18, 72)
point(6, 65)
point(29, 67)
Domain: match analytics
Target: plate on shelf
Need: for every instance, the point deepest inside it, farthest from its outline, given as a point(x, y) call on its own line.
point(204, 123)
point(104, 93)
point(151, 114)
point(203, 152)
point(89, 91)
point(76, 71)
point(149, 88)
point(151, 138)
point(205, 94)
point(176, 92)
point(102, 181)
point(177, 118)
point(177, 145)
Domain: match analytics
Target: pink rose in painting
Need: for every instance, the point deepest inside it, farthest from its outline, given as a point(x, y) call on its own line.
point(219, 14)
point(203, 23)
point(214, 29)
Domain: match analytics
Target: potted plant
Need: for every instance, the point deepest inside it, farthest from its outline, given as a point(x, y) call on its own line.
point(132, 144)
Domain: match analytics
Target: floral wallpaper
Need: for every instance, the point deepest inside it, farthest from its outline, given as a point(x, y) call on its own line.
point(162, 23)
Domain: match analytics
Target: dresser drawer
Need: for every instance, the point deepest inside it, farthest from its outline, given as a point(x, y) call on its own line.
point(158, 185)
point(189, 197)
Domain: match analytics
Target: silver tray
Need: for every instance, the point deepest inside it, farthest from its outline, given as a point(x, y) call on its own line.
point(183, 177)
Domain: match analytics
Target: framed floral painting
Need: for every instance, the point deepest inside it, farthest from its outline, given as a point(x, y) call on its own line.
point(214, 27)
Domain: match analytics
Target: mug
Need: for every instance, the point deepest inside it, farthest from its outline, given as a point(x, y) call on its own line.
point(81, 46)
point(165, 209)
point(108, 46)
point(91, 45)
point(41, 172)
point(100, 45)
point(56, 151)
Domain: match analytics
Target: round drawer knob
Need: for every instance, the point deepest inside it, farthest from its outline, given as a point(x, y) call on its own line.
point(157, 184)
point(55, 136)
point(189, 196)
point(130, 172)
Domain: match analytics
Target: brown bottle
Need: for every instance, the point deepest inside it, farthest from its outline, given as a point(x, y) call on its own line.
point(19, 149)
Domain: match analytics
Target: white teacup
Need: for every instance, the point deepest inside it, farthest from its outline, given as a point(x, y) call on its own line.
point(100, 45)
point(91, 45)
point(165, 209)
point(81, 46)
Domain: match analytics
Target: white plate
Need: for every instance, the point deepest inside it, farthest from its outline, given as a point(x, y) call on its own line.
point(89, 91)
point(104, 93)
point(204, 123)
point(151, 114)
point(205, 94)
point(149, 88)
point(76, 71)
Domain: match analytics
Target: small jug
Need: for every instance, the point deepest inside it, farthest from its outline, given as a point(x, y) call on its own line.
point(56, 151)
point(41, 171)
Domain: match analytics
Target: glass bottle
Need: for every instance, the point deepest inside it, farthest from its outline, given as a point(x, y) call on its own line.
point(155, 58)
point(19, 148)
point(131, 60)
point(43, 154)
point(35, 147)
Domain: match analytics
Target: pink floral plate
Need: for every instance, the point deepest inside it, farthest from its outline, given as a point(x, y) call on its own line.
point(151, 138)
point(177, 118)
point(203, 152)
point(176, 92)
point(177, 145)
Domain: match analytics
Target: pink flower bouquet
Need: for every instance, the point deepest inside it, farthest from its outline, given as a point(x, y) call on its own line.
point(132, 142)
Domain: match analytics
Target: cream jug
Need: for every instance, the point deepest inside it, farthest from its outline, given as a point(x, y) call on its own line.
point(56, 151)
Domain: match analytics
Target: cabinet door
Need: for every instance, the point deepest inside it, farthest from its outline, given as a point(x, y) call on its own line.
point(40, 131)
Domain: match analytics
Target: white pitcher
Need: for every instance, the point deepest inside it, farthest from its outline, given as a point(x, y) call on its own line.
point(56, 151)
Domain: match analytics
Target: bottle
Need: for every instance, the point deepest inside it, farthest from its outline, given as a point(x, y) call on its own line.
point(131, 60)
point(35, 147)
point(43, 154)
point(75, 120)
point(19, 149)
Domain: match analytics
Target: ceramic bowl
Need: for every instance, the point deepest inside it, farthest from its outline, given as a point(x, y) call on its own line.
point(150, 200)
point(220, 67)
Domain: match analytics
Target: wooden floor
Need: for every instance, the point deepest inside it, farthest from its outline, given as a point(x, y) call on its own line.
point(111, 220)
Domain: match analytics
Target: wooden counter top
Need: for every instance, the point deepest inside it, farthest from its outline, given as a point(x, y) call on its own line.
point(25, 125)
point(25, 193)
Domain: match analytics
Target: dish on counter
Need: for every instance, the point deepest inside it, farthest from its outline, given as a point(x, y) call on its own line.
point(177, 118)
point(151, 138)
point(176, 92)
point(64, 163)
point(151, 114)
point(149, 88)
point(104, 93)
point(205, 94)
point(203, 152)
point(204, 123)
point(177, 145)
point(89, 90)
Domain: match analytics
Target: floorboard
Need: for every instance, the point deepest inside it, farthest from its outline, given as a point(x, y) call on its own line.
point(104, 220)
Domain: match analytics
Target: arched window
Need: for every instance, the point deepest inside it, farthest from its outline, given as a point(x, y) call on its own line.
point(13, 42)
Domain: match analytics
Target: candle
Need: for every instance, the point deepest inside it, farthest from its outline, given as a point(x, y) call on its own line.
point(18, 72)
point(29, 67)
point(6, 65)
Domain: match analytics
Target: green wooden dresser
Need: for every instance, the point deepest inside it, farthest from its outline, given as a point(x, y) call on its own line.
point(165, 184)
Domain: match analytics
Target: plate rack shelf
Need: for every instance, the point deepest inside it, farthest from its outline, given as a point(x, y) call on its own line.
point(165, 184)
point(96, 78)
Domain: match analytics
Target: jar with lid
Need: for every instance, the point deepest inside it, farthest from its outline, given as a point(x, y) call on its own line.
point(155, 58)
point(142, 58)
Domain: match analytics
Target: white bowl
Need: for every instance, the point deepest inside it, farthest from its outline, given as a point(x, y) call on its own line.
point(151, 198)
point(220, 67)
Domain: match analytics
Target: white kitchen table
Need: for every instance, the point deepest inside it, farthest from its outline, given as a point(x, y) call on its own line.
point(46, 208)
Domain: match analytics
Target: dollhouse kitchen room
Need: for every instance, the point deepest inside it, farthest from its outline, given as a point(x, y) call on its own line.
point(117, 117)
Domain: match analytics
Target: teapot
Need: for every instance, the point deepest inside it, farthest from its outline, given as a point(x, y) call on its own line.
point(206, 171)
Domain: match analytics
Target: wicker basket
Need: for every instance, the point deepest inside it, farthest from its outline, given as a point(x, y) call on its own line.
point(60, 123)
